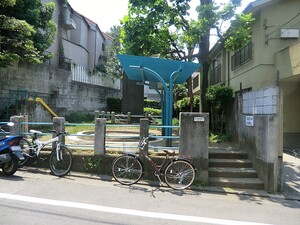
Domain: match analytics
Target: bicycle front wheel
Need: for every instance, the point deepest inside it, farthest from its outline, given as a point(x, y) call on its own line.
point(179, 174)
point(26, 151)
point(127, 169)
point(61, 161)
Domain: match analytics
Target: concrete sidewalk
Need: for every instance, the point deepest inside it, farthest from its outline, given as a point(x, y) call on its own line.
point(291, 177)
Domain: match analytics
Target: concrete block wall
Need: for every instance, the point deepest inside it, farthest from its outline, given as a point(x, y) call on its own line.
point(261, 136)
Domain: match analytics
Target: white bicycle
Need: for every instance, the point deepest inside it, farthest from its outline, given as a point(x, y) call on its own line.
point(60, 160)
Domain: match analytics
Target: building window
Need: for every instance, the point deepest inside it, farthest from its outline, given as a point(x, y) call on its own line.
point(241, 57)
point(215, 73)
point(103, 47)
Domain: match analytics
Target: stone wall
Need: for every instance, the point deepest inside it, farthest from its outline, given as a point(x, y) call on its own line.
point(54, 86)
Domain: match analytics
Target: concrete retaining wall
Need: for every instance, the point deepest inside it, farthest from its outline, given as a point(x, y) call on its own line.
point(260, 134)
point(55, 87)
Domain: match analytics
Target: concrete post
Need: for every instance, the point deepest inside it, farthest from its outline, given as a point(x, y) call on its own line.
point(59, 126)
point(194, 137)
point(113, 117)
point(16, 129)
point(144, 132)
point(100, 131)
point(96, 114)
point(129, 117)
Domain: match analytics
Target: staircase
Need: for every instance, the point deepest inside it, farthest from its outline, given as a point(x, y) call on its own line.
point(231, 168)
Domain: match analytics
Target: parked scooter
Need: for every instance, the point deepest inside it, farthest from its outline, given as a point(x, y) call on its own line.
point(10, 153)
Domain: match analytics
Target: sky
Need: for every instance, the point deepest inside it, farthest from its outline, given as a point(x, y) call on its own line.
point(107, 13)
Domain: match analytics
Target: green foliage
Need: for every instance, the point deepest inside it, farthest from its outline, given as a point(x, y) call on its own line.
point(92, 163)
point(162, 28)
point(80, 118)
point(239, 32)
point(219, 97)
point(219, 138)
point(184, 104)
point(152, 104)
point(26, 31)
point(109, 65)
point(175, 122)
point(152, 111)
point(114, 105)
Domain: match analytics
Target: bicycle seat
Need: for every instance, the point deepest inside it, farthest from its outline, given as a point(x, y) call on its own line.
point(35, 131)
point(169, 152)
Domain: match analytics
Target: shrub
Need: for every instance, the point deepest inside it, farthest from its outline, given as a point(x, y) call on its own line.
point(114, 105)
point(153, 112)
point(151, 104)
point(80, 118)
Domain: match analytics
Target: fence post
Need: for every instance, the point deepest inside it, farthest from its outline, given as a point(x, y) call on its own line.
point(99, 142)
point(96, 114)
point(102, 114)
point(129, 117)
point(25, 127)
point(144, 132)
point(193, 141)
point(59, 126)
point(16, 129)
point(113, 117)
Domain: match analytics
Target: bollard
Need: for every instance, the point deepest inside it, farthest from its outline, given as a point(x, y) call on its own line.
point(113, 117)
point(16, 129)
point(144, 132)
point(129, 117)
point(99, 141)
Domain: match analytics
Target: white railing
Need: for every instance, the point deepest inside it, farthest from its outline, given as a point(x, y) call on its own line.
point(80, 74)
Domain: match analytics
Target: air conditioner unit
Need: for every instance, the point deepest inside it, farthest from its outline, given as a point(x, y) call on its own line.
point(70, 24)
point(289, 33)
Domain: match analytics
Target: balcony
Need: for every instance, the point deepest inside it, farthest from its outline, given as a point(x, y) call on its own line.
point(80, 74)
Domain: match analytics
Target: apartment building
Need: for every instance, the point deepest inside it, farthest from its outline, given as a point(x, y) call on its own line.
point(265, 76)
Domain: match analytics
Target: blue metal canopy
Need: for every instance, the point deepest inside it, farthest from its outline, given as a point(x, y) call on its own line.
point(167, 72)
point(163, 67)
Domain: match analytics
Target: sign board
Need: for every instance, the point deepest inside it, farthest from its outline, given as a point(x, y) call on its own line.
point(249, 121)
point(199, 119)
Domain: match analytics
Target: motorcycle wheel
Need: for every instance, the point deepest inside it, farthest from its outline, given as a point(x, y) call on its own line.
point(10, 167)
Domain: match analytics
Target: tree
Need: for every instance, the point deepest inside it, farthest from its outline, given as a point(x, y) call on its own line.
point(26, 31)
point(162, 27)
point(220, 98)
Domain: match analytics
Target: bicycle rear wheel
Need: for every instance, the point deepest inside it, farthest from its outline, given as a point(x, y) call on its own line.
point(61, 163)
point(127, 169)
point(179, 174)
point(26, 151)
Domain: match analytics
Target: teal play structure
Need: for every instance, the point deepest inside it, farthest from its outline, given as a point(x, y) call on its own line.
point(167, 72)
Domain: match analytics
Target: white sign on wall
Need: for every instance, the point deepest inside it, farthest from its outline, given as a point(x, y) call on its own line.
point(249, 121)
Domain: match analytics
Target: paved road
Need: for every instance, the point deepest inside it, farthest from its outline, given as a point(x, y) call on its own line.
point(32, 197)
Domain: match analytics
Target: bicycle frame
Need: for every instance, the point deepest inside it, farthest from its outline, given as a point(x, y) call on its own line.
point(157, 168)
point(41, 144)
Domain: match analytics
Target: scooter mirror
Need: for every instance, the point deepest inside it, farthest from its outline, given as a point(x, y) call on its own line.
point(10, 124)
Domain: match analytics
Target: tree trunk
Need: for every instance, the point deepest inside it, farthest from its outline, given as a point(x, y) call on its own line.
point(204, 60)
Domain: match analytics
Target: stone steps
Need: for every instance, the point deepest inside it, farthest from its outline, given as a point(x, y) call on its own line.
point(232, 169)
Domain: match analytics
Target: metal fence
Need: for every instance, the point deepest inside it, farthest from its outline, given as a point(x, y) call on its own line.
point(118, 137)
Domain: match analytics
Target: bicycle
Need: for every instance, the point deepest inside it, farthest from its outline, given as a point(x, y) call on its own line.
point(60, 161)
point(178, 173)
